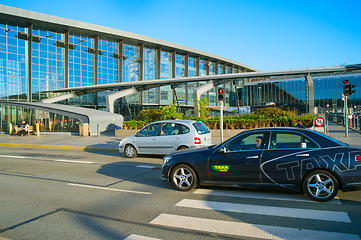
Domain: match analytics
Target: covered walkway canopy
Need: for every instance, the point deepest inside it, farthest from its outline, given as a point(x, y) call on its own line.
point(95, 118)
point(127, 88)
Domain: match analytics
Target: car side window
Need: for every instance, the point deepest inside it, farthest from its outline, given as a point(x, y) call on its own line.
point(184, 129)
point(149, 131)
point(169, 129)
point(246, 142)
point(286, 140)
point(306, 143)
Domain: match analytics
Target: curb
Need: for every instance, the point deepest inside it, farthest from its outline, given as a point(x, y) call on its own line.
point(59, 147)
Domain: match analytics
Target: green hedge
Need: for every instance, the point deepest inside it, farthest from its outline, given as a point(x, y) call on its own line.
point(264, 117)
point(240, 122)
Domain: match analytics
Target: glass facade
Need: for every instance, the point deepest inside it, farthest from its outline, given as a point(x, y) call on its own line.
point(150, 73)
point(35, 59)
point(295, 93)
point(13, 64)
point(47, 62)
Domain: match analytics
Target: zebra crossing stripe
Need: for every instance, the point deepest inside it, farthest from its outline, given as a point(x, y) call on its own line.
point(146, 166)
point(246, 229)
point(139, 237)
point(259, 195)
point(266, 210)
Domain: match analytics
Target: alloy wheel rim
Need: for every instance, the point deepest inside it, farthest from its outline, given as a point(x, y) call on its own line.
point(130, 151)
point(320, 186)
point(183, 178)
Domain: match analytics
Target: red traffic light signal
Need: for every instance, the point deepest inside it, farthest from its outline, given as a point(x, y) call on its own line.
point(346, 87)
point(221, 94)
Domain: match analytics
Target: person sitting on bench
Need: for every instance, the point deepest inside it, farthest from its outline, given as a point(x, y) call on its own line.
point(24, 129)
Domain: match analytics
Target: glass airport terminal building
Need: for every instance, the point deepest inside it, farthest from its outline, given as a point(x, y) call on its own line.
point(40, 53)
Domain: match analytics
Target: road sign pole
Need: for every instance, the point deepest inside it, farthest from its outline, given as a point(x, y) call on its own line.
point(346, 119)
point(221, 123)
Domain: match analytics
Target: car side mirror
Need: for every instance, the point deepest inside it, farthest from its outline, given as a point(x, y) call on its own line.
point(222, 149)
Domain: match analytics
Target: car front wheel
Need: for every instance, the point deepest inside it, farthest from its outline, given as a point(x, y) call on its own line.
point(130, 151)
point(320, 185)
point(183, 177)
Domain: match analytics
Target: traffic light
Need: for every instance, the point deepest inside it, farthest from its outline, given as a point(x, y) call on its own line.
point(221, 96)
point(346, 87)
point(350, 89)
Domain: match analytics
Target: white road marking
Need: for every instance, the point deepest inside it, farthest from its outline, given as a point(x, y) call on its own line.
point(58, 160)
point(266, 210)
point(138, 237)
point(7, 156)
point(263, 195)
point(109, 189)
point(146, 166)
point(246, 229)
point(72, 161)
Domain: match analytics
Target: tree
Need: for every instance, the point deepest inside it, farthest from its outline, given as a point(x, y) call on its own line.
point(170, 112)
point(202, 107)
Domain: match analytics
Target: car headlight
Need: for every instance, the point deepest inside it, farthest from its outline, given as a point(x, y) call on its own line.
point(166, 159)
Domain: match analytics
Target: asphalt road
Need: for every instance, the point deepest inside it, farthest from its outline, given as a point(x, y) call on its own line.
point(64, 194)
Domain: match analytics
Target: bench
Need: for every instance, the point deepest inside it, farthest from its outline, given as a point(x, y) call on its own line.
point(31, 130)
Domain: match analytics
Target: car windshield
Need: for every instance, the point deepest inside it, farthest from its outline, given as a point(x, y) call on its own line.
point(201, 128)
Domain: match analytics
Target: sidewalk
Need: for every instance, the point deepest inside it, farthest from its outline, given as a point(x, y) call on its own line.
point(338, 131)
point(109, 142)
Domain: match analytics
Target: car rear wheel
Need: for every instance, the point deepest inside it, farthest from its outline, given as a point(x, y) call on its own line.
point(320, 185)
point(130, 151)
point(182, 148)
point(183, 177)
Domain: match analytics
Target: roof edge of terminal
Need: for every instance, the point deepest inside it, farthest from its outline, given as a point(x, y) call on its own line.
point(74, 24)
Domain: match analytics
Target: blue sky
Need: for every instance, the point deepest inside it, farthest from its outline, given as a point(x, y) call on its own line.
point(267, 35)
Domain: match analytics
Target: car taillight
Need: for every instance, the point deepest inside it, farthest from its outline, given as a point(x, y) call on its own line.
point(358, 158)
point(197, 140)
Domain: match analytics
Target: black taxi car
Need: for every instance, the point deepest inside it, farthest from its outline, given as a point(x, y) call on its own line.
point(291, 158)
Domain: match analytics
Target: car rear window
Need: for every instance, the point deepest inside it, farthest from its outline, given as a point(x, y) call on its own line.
point(201, 128)
point(184, 129)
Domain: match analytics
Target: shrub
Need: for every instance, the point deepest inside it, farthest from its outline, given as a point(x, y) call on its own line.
point(170, 112)
point(265, 117)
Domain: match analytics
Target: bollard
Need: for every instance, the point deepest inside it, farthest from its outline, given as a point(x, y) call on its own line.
point(98, 130)
point(10, 128)
point(37, 129)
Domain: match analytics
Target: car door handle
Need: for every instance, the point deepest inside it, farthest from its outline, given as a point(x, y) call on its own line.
point(177, 138)
point(303, 155)
point(251, 157)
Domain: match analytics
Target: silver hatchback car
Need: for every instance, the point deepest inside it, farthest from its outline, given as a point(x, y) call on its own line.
point(165, 137)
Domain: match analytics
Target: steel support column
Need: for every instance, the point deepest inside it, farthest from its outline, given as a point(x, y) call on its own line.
point(159, 52)
point(66, 59)
point(197, 95)
point(120, 61)
point(96, 64)
point(311, 94)
point(30, 44)
point(110, 98)
point(140, 69)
